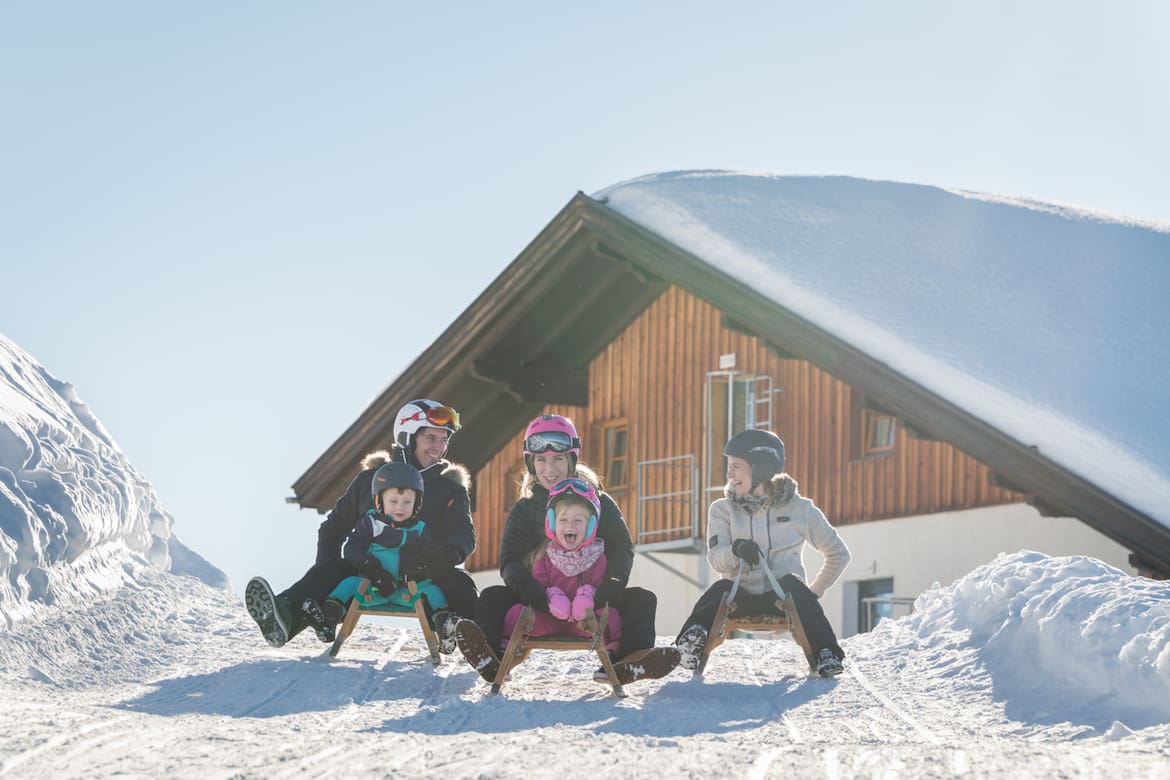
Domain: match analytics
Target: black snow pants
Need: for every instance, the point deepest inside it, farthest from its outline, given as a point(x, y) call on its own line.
point(808, 608)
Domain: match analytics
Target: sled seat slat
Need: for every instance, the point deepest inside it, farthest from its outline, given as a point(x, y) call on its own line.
point(728, 620)
point(522, 641)
point(357, 609)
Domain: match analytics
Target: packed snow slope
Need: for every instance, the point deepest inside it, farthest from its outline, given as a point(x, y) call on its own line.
point(1028, 667)
point(77, 521)
point(1048, 322)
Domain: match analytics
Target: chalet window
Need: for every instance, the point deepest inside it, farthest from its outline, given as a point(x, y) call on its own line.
point(614, 445)
point(736, 401)
point(872, 431)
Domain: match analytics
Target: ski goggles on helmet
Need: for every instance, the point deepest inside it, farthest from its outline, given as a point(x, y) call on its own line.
point(573, 486)
point(437, 416)
point(550, 441)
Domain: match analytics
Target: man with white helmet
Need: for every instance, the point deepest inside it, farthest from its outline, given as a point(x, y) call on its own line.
point(422, 432)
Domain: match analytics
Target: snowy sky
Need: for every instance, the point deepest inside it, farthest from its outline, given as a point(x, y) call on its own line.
point(201, 202)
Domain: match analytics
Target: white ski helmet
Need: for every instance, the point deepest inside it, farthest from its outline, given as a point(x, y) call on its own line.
point(422, 413)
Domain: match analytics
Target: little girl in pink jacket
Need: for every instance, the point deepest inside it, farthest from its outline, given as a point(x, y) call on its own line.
point(570, 565)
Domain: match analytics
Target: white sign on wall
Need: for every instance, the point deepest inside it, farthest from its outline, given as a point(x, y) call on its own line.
point(727, 361)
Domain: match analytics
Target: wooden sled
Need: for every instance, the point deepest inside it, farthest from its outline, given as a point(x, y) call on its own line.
point(522, 642)
point(728, 620)
point(357, 609)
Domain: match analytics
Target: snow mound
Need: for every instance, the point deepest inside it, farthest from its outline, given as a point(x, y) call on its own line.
point(75, 516)
point(154, 624)
point(1052, 639)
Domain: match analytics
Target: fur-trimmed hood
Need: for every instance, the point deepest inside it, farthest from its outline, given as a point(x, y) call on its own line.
point(456, 472)
point(779, 489)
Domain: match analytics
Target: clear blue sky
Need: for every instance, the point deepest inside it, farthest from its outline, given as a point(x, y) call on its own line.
point(231, 225)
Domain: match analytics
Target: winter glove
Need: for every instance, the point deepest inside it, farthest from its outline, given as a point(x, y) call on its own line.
point(583, 602)
point(381, 579)
point(746, 550)
point(532, 593)
point(558, 603)
point(610, 592)
point(431, 562)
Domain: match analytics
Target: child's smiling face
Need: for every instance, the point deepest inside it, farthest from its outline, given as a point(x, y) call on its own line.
point(398, 503)
point(572, 520)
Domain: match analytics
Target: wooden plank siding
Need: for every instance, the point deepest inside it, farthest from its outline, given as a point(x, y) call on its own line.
point(653, 376)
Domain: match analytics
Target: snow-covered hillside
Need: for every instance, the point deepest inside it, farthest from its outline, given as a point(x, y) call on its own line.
point(1028, 667)
point(77, 521)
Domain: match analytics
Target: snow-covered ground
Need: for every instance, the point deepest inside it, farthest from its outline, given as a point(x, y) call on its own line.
point(1028, 667)
point(124, 653)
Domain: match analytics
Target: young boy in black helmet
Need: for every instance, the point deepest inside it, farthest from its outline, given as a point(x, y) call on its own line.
point(763, 520)
point(384, 544)
point(422, 431)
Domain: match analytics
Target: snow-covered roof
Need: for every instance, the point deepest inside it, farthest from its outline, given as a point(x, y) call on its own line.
point(1048, 322)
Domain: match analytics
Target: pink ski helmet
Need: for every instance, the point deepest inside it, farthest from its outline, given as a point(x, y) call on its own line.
point(573, 487)
point(551, 433)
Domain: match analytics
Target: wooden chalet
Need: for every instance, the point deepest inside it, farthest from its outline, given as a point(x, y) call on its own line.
point(658, 356)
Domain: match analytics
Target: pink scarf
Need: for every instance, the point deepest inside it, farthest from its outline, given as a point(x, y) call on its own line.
point(572, 562)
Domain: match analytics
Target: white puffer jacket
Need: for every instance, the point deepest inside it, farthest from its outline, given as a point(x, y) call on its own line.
point(781, 524)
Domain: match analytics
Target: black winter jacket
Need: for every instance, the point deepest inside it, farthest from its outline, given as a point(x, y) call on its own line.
point(446, 509)
point(524, 533)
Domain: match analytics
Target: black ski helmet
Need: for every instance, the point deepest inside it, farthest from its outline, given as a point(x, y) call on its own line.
point(762, 449)
point(397, 475)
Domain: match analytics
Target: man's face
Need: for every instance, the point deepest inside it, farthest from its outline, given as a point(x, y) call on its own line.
point(430, 444)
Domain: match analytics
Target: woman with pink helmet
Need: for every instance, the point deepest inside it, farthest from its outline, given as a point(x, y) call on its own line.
point(552, 449)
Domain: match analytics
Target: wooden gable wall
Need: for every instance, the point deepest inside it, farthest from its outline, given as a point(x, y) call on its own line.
point(653, 376)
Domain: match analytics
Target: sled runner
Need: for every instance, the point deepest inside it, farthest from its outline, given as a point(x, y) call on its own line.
point(522, 642)
point(417, 607)
point(727, 619)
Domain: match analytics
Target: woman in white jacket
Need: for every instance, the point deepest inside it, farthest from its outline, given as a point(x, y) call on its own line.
point(763, 520)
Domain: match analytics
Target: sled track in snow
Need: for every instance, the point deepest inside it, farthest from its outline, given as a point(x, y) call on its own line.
point(854, 673)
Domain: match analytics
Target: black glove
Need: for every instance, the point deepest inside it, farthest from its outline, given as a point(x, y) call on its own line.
point(430, 563)
point(610, 591)
point(746, 550)
point(533, 594)
point(381, 579)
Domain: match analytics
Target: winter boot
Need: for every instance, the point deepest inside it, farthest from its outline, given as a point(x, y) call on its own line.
point(642, 665)
point(828, 665)
point(445, 623)
point(318, 621)
point(262, 606)
point(477, 649)
point(690, 645)
point(334, 612)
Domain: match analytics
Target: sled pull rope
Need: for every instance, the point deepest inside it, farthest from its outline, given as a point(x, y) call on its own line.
point(775, 585)
point(735, 585)
point(767, 572)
